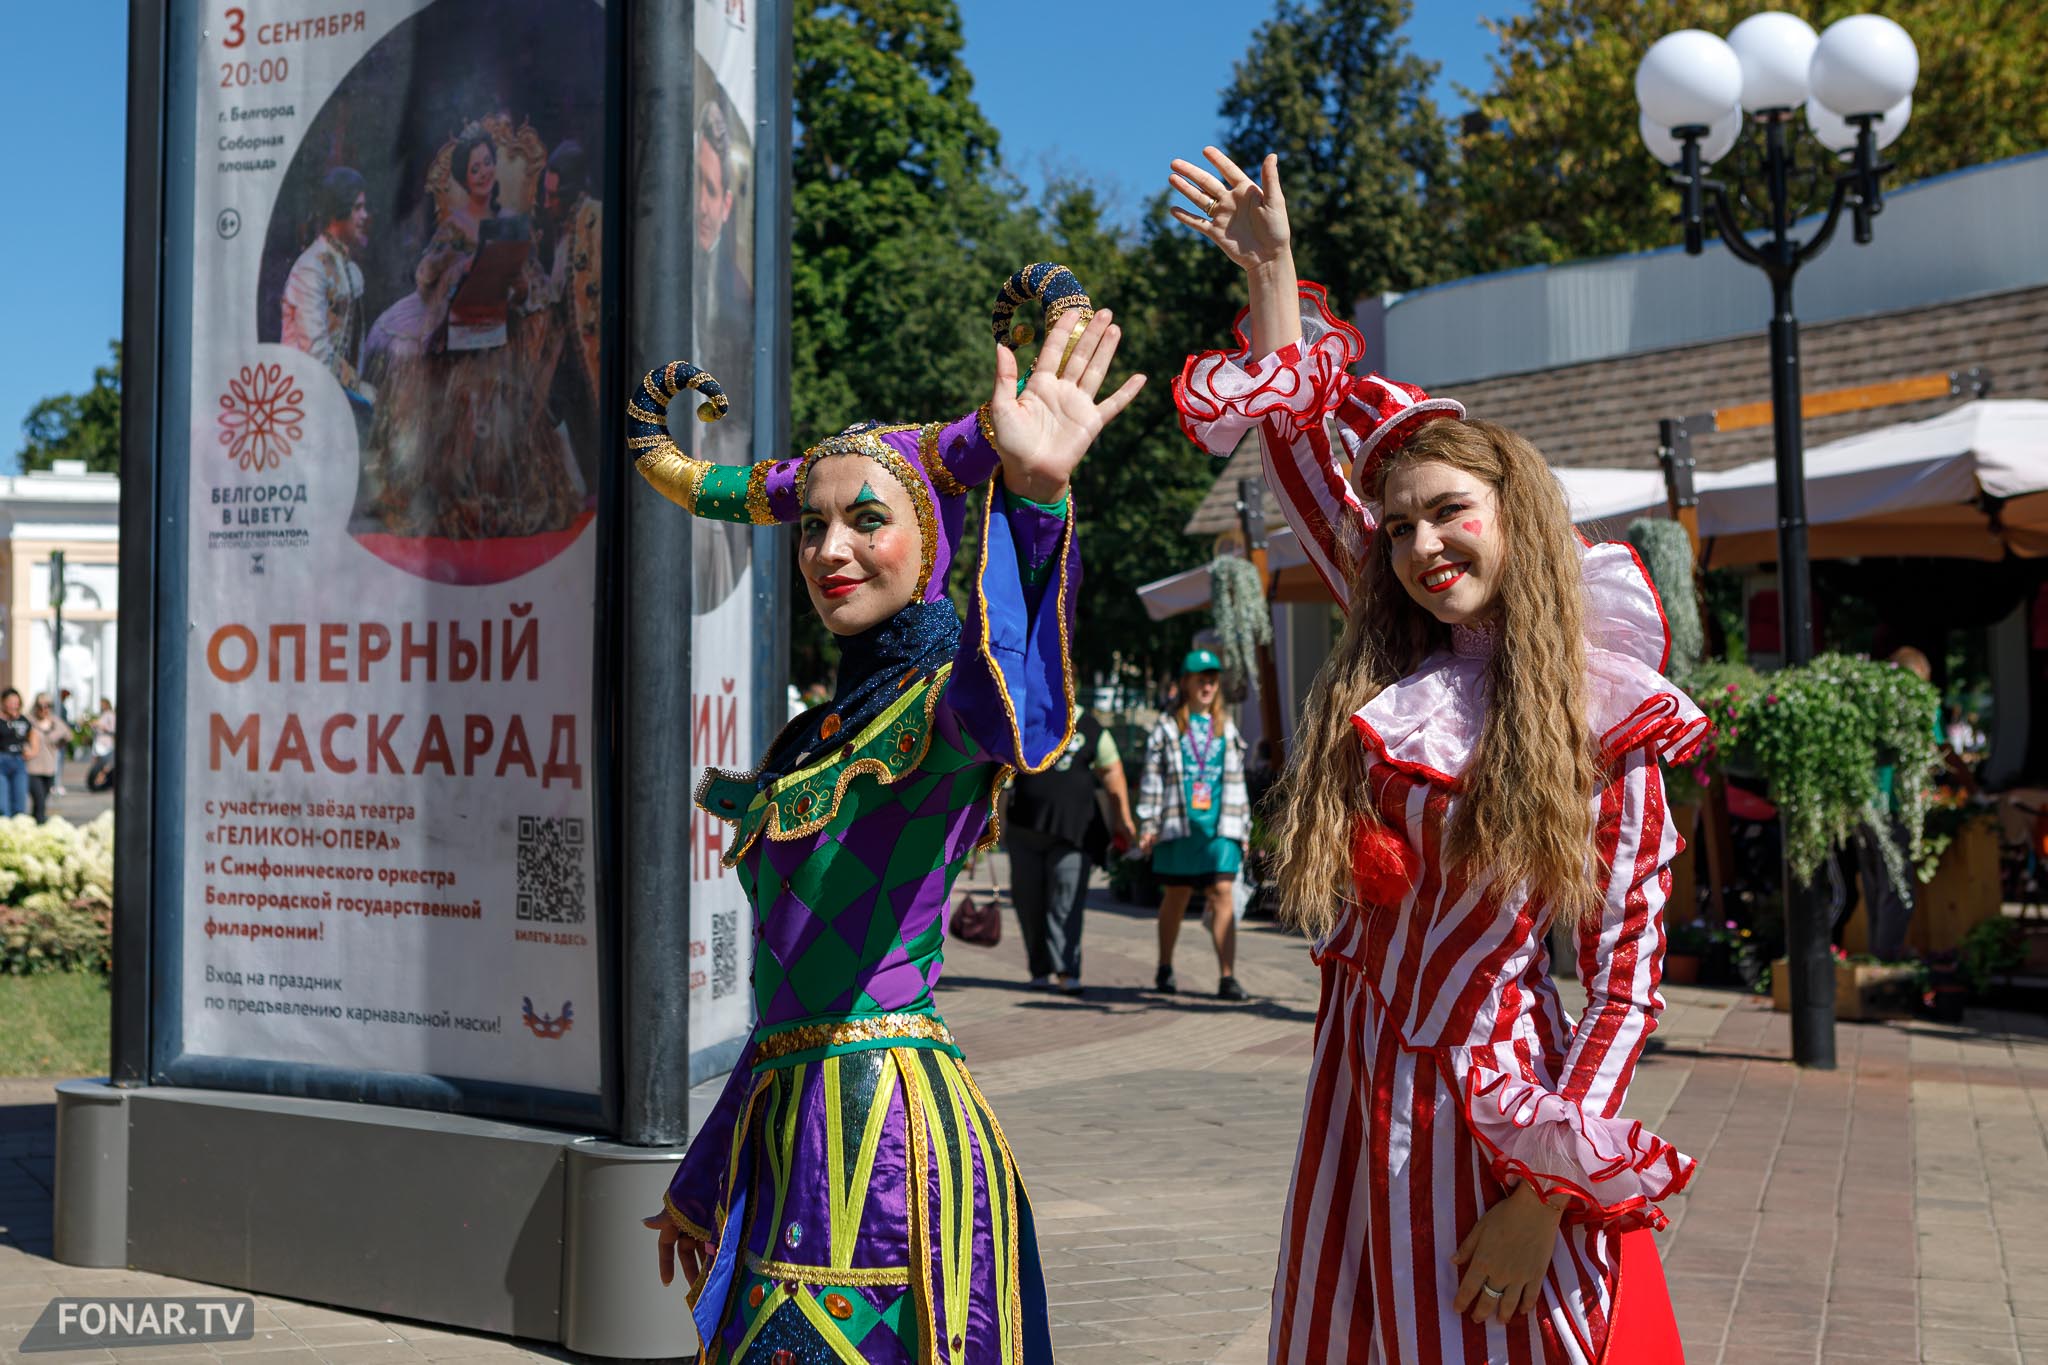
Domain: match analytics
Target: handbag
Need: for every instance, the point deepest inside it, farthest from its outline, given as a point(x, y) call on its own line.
point(979, 922)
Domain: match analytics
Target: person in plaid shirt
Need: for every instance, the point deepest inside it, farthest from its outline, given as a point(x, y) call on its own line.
point(1193, 816)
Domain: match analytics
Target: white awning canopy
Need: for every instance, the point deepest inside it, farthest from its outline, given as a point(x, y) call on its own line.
point(1931, 488)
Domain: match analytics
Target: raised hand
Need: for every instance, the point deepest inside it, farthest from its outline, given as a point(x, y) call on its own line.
point(1248, 219)
point(1245, 217)
point(1042, 433)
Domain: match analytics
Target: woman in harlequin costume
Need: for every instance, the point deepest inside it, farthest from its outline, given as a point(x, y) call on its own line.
point(852, 1197)
point(1465, 1189)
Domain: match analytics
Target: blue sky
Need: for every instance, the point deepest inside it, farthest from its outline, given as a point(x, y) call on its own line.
point(1140, 85)
point(1144, 78)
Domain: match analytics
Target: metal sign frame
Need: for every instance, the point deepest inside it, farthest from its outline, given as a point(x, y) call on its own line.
point(639, 759)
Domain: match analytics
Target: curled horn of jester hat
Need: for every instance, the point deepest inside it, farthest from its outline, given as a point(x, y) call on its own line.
point(937, 463)
point(1057, 293)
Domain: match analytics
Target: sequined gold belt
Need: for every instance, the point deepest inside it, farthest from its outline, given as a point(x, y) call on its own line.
point(871, 1031)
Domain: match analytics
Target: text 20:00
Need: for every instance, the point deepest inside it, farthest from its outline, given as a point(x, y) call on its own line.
point(270, 69)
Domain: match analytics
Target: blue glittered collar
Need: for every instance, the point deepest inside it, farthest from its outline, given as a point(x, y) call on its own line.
point(874, 668)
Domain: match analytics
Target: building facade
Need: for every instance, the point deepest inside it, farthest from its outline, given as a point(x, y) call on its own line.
point(63, 509)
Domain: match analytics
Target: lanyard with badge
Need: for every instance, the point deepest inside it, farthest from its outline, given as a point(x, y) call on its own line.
point(1200, 796)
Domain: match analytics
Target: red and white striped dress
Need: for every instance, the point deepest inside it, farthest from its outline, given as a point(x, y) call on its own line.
point(1446, 1066)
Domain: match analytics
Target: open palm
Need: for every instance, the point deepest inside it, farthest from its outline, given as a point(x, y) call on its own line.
point(1245, 217)
point(1042, 433)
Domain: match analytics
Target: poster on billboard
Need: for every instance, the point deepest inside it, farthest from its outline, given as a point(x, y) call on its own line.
point(725, 606)
point(394, 442)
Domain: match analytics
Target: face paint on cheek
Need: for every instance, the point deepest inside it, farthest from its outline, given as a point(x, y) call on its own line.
point(1473, 527)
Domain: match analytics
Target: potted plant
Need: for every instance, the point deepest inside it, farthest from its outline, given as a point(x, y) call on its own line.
point(1685, 943)
point(1721, 958)
point(1992, 948)
point(1947, 991)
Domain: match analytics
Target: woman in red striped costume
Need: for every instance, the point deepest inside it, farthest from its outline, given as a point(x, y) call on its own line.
point(1477, 764)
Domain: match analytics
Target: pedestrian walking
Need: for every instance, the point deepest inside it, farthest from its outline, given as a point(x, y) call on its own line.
point(99, 774)
point(852, 1197)
point(18, 743)
point(1054, 831)
point(1464, 1190)
point(50, 735)
point(65, 750)
point(1194, 816)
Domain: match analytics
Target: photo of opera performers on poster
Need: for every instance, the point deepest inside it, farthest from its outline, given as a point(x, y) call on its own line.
point(723, 287)
point(437, 246)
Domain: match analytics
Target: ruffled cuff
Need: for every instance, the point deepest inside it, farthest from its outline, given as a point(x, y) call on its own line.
point(1613, 1172)
point(1223, 394)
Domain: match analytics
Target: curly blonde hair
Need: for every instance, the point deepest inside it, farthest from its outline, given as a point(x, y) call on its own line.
point(1525, 815)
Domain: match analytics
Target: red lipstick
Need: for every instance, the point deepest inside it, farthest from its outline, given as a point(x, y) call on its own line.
point(1447, 584)
point(837, 585)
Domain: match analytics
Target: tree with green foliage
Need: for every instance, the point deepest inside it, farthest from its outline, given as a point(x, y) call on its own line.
point(905, 224)
point(1557, 171)
point(78, 426)
point(899, 235)
point(1331, 86)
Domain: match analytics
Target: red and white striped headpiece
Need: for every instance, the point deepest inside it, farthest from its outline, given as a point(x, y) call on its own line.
point(1379, 414)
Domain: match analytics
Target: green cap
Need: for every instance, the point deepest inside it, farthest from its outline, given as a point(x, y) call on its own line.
point(1201, 661)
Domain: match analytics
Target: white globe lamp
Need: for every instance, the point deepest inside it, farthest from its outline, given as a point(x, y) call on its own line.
point(1775, 50)
point(1689, 79)
point(1864, 64)
point(1837, 134)
point(1670, 149)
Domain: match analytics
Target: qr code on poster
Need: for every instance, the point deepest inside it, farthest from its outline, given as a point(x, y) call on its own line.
point(551, 869)
point(725, 952)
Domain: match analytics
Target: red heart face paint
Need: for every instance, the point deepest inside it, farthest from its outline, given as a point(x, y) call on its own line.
point(1473, 527)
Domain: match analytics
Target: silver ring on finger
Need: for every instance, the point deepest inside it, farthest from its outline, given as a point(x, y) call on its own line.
point(1490, 1291)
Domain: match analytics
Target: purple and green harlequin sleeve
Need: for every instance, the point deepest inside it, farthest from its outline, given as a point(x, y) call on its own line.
point(696, 1190)
point(1013, 684)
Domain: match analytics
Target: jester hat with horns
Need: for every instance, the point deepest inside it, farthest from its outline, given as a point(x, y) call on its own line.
point(937, 472)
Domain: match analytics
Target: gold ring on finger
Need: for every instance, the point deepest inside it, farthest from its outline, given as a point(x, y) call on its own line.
point(1213, 205)
point(1073, 340)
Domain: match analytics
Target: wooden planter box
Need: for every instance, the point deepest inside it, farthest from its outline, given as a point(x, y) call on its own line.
point(1862, 990)
point(1963, 892)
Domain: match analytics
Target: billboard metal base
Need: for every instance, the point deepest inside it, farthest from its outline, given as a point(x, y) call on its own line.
point(472, 1223)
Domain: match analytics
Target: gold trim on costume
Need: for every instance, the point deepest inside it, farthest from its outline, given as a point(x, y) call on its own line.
point(1059, 588)
point(983, 420)
point(935, 464)
point(841, 1033)
point(685, 1225)
point(770, 818)
point(757, 494)
point(917, 1206)
point(825, 1277)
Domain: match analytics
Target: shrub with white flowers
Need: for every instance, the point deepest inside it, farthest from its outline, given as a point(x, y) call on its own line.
point(56, 895)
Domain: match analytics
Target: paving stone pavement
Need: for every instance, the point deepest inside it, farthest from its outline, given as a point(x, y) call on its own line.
point(1892, 1210)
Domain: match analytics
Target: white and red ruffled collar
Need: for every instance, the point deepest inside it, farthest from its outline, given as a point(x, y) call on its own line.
point(1428, 723)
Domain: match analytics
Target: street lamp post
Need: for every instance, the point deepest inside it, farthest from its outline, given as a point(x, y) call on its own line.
point(57, 626)
point(1854, 84)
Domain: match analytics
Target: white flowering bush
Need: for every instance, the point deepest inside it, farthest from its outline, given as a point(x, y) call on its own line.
point(56, 895)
